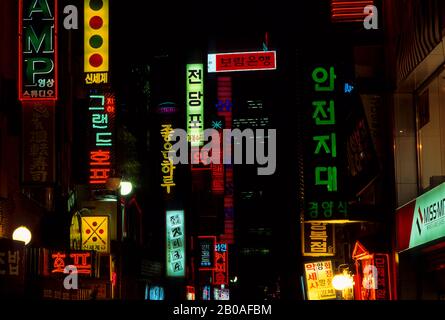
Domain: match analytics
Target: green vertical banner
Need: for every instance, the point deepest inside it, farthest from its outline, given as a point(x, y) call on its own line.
point(195, 104)
point(175, 243)
point(324, 150)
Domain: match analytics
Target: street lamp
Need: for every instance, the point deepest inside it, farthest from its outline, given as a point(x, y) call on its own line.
point(125, 188)
point(344, 282)
point(22, 234)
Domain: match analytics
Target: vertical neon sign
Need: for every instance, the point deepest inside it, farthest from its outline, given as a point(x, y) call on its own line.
point(96, 24)
point(37, 59)
point(175, 238)
point(101, 111)
point(195, 104)
point(323, 203)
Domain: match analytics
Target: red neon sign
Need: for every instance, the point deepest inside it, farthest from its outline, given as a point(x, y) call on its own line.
point(221, 270)
point(82, 261)
point(37, 54)
point(242, 61)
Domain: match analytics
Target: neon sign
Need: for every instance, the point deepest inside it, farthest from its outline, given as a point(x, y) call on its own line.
point(206, 247)
point(224, 108)
point(195, 103)
point(319, 277)
point(221, 270)
point(175, 236)
point(242, 61)
point(322, 174)
point(318, 239)
point(81, 260)
point(167, 166)
point(37, 50)
point(101, 111)
point(96, 23)
point(95, 233)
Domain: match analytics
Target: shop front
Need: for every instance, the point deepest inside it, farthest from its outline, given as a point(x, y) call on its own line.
point(420, 227)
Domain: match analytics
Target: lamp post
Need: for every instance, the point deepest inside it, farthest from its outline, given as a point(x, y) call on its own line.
point(22, 234)
point(344, 282)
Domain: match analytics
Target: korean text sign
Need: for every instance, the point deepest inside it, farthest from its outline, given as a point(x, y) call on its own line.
point(37, 50)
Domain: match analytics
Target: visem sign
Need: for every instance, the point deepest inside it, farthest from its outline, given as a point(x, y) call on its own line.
point(422, 220)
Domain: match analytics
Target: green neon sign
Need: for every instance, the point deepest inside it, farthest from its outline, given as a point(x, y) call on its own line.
point(195, 104)
point(175, 255)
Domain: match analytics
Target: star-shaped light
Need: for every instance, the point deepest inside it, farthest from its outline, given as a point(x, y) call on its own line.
point(217, 124)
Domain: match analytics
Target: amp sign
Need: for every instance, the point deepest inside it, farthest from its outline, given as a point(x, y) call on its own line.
point(37, 50)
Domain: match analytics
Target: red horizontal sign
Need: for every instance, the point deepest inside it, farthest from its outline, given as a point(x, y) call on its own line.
point(242, 61)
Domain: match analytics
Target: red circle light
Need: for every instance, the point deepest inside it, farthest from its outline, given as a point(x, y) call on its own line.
point(96, 60)
point(94, 223)
point(94, 239)
point(88, 231)
point(96, 22)
point(101, 231)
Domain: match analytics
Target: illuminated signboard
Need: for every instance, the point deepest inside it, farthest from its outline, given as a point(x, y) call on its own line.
point(37, 50)
point(101, 114)
point(373, 274)
point(221, 270)
point(319, 277)
point(12, 260)
point(318, 239)
point(422, 220)
point(224, 110)
point(95, 233)
point(167, 166)
point(206, 247)
point(195, 104)
point(349, 10)
point(38, 147)
point(242, 61)
point(221, 294)
point(206, 293)
point(76, 232)
point(96, 23)
point(81, 260)
point(190, 293)
point(175, 229)
point(156, 293)
point(324, 189)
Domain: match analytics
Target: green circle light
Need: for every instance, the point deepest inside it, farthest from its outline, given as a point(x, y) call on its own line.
point(96, 41)
point(96, 4)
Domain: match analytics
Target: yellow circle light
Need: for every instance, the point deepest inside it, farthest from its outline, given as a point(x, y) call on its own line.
point(22, 234)
point(341, 282)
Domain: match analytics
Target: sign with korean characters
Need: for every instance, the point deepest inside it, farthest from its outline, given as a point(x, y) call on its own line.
point(206, 249)
point(242, 61)
point(374, 277)
point(37, 61)
point(324, 150)
point(81, 260)
point(318, 239)
point(167, 166)
point(101, 115)
point(221, 270)
point(319, 277)
point(195, 103)
point(12, 268)
point(175, 241)
point(38, 147)
point(95, 233)
point(96, 48)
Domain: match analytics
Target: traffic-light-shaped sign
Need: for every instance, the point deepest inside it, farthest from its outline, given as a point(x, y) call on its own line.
point(96, 36)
